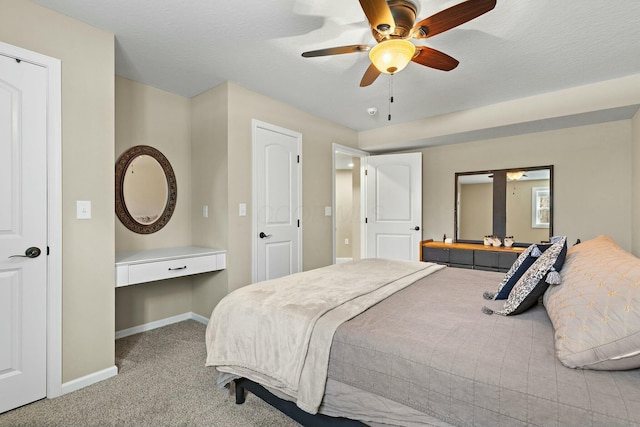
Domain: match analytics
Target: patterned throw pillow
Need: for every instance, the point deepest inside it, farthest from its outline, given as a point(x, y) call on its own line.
point(533, 282)
point(595, 312)
point(524, 261)
point(521, 265)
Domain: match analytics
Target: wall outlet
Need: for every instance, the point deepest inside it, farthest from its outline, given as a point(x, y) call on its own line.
point(346, 241)
point(205, 211)
point(242, 209)
point(327, 211)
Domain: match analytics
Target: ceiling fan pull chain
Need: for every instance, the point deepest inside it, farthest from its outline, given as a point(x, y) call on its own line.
point(390, 95)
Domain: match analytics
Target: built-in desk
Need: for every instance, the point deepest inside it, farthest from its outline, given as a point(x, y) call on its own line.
point(469, 255)
point(158, 264)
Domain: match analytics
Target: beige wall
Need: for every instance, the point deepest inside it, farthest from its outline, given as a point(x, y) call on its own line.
point(344, 213)
point(221, 176)
point(356, 217)
point(587, 161)
point(149, 116)
point(87, 56)
point(635, 185)
point(317, 136)
point(209, 148)
point(208, 141)
point(519, 211)
point(475, 211)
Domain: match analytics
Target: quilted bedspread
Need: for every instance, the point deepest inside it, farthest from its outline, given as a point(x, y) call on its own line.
point(431, 348)
point(279, 332)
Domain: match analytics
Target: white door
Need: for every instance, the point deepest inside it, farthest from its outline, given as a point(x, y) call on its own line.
point(394, 206)
point(23, 230)
point(277, 201)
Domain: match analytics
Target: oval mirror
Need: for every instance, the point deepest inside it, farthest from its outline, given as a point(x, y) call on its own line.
point(146, 189)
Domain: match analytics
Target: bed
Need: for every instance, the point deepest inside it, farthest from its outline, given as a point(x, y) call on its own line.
point(427, 353)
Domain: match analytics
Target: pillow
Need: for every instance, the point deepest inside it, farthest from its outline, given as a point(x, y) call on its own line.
point(533, 282)
point(521, 265)
point(595, 312)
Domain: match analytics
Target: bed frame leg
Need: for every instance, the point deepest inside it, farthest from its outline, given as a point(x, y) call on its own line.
point(240, 394)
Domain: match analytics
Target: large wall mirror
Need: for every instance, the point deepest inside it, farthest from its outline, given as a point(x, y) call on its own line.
point(505, 202)
point(146, 189)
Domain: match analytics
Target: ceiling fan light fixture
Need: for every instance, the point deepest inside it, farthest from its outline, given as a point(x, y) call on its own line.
point(515, 175)
point(391, 56)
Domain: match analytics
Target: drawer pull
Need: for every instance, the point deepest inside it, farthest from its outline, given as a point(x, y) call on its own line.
point(178, 268)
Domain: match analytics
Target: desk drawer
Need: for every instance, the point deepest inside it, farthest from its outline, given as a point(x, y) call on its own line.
point(148, 272)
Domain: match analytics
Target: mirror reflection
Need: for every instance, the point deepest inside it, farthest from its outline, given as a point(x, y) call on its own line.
point(528, 206)
point(475, 206)
point(145, 189)
point(506, 202)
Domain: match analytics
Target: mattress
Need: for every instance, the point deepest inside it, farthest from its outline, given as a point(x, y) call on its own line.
point(429, 347)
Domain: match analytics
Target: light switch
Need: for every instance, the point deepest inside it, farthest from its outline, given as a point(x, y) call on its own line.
point(346, 241)
point(205, 211)
point(242, 209)
point(327, 211)
point(83, 209)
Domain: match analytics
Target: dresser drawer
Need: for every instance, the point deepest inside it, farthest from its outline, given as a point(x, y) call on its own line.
point(460, 257)
point(148, 272)
point(494, 261)
point(486, 260)
point(436, 255)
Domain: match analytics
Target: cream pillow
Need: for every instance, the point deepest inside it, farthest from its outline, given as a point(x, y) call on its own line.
point(595, 311)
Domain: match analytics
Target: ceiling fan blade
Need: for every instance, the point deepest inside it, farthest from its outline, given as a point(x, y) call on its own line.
point(337, 50)
point(370, 76)
point(451, 17)
point(434, 59)
point(379, 15)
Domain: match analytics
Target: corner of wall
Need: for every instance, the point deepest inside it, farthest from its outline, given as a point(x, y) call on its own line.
point(635, 183)
point(210, 178)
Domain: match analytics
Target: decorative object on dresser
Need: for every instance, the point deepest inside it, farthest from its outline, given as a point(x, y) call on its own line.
point(469, 255)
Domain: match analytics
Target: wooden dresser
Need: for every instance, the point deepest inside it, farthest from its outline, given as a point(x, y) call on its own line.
point(469, 255)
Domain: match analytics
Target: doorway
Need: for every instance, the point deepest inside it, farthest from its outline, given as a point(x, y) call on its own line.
point(277, 201)
point(348, 203)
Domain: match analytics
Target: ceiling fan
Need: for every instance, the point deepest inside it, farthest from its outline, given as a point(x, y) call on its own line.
point(392, 25)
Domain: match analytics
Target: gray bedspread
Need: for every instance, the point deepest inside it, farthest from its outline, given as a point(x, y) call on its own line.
point(431, 348)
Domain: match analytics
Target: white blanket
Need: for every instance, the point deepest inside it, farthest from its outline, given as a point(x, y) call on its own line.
point(279, 332)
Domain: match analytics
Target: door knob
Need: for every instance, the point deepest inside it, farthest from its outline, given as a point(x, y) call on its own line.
point(31, 252)
point(416, 228)
point(262, 235)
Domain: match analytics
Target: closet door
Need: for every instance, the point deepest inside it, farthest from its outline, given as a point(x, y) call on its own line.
point(23, 233)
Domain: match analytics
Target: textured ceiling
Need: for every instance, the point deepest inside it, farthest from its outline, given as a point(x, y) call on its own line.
point(519, 49)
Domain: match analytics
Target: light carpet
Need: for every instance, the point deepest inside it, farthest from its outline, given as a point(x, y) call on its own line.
point(161, 381)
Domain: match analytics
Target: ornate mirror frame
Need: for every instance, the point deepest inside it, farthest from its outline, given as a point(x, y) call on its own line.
point(172, 190)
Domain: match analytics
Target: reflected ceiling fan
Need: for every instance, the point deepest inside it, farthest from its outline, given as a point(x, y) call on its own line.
point(392, 25)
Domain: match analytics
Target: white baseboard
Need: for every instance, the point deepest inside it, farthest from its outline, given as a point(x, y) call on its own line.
point(341, 260)
point(160, 323)
point(87, 380)
point(198, 318)
point(95, 377)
